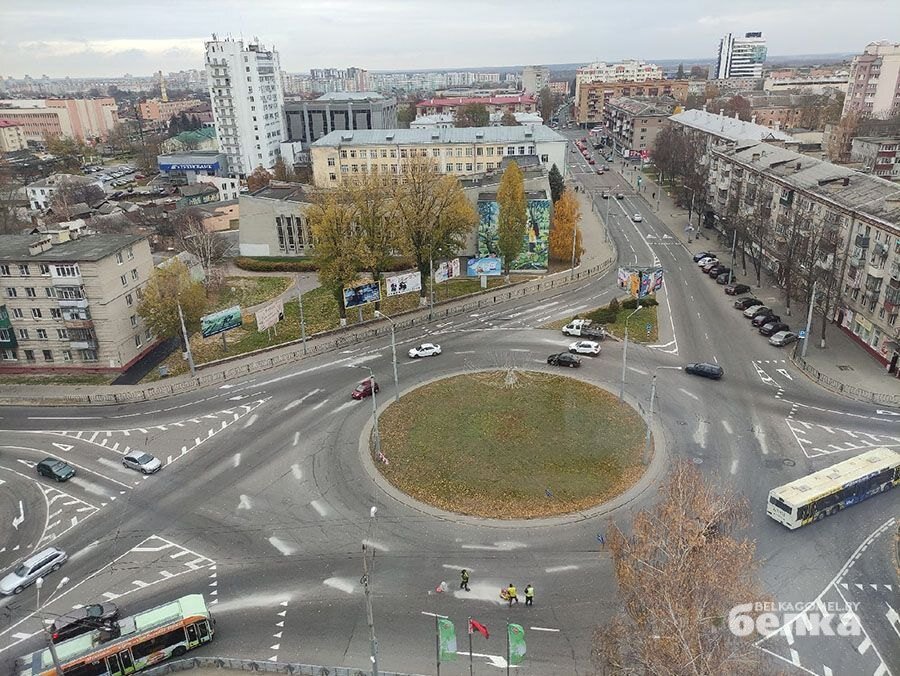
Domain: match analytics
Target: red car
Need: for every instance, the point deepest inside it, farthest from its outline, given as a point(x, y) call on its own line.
point(591, 161)
point(364, 389)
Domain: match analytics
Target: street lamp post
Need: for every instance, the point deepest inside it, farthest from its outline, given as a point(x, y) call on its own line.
point(39, 610)
point(645, 458)
point(374, 407)
point(625, 354)
point(367, 583)
point(379, 313)
point(574, 238)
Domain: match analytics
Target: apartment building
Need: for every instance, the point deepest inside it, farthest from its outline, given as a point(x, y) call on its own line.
point(632, 124)
point(740, 57)
point(535, 78)
point(86, 120)
point(519, 103)
point(68, 301)
point(469, 151)
point(40, 193)
point(624, 71)
point(157, 110)
point(878, 155)
point(247, 102)
point(874, 85)
point(308, 121)
point(11, 136)
point(591, 97)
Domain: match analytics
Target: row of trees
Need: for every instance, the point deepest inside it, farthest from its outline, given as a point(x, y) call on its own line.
point(183, 122)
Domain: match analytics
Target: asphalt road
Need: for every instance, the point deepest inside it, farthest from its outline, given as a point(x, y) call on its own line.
point(264, 499)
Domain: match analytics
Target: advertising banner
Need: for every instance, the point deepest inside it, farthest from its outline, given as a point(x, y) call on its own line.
point(406, 283)
point(269, 316)
point(221, 321)
point(640, 282)
point(446, 271)
point(535, 247)
point(362, 294)
point(492, 266)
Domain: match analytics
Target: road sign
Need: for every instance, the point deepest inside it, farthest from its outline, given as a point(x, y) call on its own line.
point(649, 327)
point(801, 334)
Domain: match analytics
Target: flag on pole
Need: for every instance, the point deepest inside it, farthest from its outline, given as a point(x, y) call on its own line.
point(447, 640)
point(480, 628)
point(516, 643)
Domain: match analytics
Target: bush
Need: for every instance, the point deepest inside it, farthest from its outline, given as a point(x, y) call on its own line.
point(299, 264)
point(603, 316)
point(632, 303)
point(613, 305)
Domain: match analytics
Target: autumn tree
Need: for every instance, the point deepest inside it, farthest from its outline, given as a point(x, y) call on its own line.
point(563, 226)
point(260, 178)
point(69, 193)
point(509, 120)
point(12, 198)
point(512, 218)
point(405, 115)
point(69, 152)
point(281, 171)
point(679, 75)
point(738, 105)
point(472, 115)
point(191, 235)
point(545, 101)
point(337, 250)
point(557, 183)
point(680, 570)
point(433, 216)
point(169, 287)
point(373, 211)
point(792, 239)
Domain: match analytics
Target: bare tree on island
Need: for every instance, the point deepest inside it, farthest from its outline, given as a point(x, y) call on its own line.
point(193, 237)
point(680, 572)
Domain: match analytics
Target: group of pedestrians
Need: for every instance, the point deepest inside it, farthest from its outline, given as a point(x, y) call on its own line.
point(510, 593)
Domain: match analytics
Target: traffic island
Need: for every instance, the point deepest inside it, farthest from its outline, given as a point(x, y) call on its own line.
point(511, 444)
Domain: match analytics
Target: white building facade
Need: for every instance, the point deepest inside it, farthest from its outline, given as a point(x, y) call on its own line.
point(740, 57)
point(624, 71)
point(247, 101)
point(535, 78)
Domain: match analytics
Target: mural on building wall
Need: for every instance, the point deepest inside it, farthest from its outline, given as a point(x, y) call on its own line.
point(535, 252)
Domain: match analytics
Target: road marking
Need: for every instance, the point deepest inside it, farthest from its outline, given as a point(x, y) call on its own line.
point(734, 466)
point(245, 503)
point(559, 569)
point(345, 405)
point(637, 370)
point(296, 438)
point(700, 434)
point(319, 405)
point(375, 545)
point(237, 459)
point(505, 546)
point(253, 419)
point(282, 546)
point(544, 629)
point(690, 394)
point(296, 471)
point(17, 521)
point(727, 427)
point(341, 584)
point(319, 507)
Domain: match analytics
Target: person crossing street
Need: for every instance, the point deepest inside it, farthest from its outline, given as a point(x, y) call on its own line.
point(464, 580)
point(529, 594)
point(512, 594)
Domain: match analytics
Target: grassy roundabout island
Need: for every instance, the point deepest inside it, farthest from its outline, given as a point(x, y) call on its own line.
point(511, 444)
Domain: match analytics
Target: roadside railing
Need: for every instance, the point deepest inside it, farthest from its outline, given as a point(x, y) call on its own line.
point(260, 666)
point(850, 391)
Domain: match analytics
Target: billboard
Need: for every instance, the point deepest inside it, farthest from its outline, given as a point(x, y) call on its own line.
point(361, 294)
point(490, 266)
point(270, 315)
point(194, 166)
point(640, 282)
point(218, 322)
point(535, 247)
point(447, 270)
point(406, 283)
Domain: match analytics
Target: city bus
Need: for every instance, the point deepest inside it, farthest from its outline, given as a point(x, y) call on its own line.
point(830, 490)
point(142, 640)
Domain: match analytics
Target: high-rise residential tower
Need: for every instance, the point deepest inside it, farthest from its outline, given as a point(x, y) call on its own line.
point(740, 57)
point(874, 86)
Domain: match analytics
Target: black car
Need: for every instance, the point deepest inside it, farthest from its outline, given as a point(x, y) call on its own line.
point(620, 195)
point(737, 289)
point(705, 370)
point(761, 319)
point(564, 359)
point(605, 195)
point(745, 302)
point(773, 327)
point(83, 620)
point(55, 469)
point(703, 254)
point(717, 270)
point(724, 277)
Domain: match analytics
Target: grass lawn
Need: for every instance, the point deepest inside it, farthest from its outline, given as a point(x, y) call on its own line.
point(247, 291)
point(637, 325)
point(58, 379)
point(474, 444)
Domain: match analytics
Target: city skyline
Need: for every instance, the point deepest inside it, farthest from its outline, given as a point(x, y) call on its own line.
point(101, 40)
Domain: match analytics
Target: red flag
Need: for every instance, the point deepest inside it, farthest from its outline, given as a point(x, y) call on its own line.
point(477, 626)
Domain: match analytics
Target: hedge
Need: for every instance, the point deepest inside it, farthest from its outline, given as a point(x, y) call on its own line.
point(288, 264)
point(632, 303)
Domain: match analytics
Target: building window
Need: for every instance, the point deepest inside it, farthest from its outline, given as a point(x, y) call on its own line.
point(119, 259)
point(36, 313)
point(129, 301)
point(435, 152)
point(55, 313)
point(67, 355)
point(62, 334)
point(124, 280)
point(11, 292)
point(148, 336)
point(24, 271)
point(459, 166)
point(468, 166)
point(30, 292)
point(23, 334)
point(332, 176)
point(48, 355)
point(42, 334)
point(4, 271)
point(469, 151)
point(8, 355)
point(545, 158)
point(66, 270)
point(448, 167)
point(134, 274)
point(479, 151)
point(330, 161)
point(137, 340)
point(45, 269)
point(343, 154)
point(50, 291)
point(129, 253)
point(393, 152)
point(17, 313)
point(88, 355)
point(29, 355)
point(490, 150)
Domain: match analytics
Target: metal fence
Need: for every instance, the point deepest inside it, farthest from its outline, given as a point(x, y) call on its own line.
point(847, 390)
point(212, 373)
point(260, 666)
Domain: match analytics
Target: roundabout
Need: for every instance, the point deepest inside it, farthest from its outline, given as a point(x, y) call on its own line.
point(511, 444)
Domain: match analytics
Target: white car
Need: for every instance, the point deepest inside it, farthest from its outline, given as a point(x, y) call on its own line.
point(584, 347)
point(425, 350)
point(637, 218)
point(706, 259)
point(751, 311)
point(142, 462)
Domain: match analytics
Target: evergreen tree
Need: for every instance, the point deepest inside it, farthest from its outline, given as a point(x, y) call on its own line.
point(557, 184)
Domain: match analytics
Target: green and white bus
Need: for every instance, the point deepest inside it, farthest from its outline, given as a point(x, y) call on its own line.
point(830, 490)
point(143, 640)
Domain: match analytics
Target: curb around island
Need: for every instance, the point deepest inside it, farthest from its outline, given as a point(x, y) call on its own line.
point(648, 480)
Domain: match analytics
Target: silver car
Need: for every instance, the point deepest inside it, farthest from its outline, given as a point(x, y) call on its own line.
point(37, 565)
point(782, 338)
point(142, 462)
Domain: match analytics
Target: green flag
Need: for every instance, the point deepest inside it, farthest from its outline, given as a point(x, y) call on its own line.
point(447, 640)
point(516, 643)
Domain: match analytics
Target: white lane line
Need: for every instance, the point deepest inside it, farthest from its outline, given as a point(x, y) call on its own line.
point(727, 427)
point(345, 406)
point(319, 405)
point(734, 466)
point(237, 459)
point(544, 629)
point(321, 509)
point(690, 394)
point(296, 471)
point(559, 569)
point(637, 370)
point(296, 438)
point(282, 546)
point(341, 584)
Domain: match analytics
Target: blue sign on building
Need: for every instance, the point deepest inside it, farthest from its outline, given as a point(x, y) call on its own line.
point(213, 166)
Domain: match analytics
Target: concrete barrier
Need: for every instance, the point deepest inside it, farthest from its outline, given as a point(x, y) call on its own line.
point(260, 666)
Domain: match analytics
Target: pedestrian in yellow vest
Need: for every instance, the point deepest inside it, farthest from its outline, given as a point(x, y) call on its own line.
point(512, 594)
point(529, 594)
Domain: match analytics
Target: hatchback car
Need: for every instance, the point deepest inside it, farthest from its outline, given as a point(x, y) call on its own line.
point(605, 195)
point(585, 347)
point(754, 310)
point(783, 338)
point(55, 469)
point(637, 218)
point(425, 350)
point(737, 289)
point(142, 462)
point(364, 389)
point(707, 260)
point(717, 270)
point(773, 327)
point(766, 318)
point(35, 566)
point(564, 359)
point(745, 302)
point(83, 620)
point(591, 161)
point(705, 370)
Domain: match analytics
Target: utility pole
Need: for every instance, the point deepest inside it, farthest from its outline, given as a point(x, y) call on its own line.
point(187, 343)
point(379, 313)
point(302, 323)
point(733, 245)
point(812, 302)
point(370, 619)
point(431, 285)
point(645, 457)
point(625, 355)
point(574, 238)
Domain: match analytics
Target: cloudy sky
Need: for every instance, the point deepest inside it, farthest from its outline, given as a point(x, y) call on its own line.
point(113, 37)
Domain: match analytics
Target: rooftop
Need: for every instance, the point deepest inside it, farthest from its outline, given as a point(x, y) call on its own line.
point(85, 248)
point(646, 106)
point(728, 127)
point(362, 137)
point(277, 190)
point(197, 135)
point(486, 100)
point(54, 180)
point(9, 123)
point(351, 96)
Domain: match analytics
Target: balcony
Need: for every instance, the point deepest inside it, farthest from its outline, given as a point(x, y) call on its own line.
point(78, 323)
point(83, 344)
point(862, 241)
point(66, 281)
point(875, 273)
point(80, 303)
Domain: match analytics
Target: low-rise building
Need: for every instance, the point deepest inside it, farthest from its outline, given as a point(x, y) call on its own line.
point(12, 138)
point(40, 193)
point(447, 121)
point(561, 87)
point(197, 194)
point(632, 124)
point(68, 301)
point(184, 168)
point(518, 103)
point(203, 139)
point(273, 221)
point(591, 97)
point(807, 84)
point(86, 120)
point(219, 216)
point(723, 129)
point(878, 156)
point(157, 110)
point(308, 121)
point(229, 188)
point(468, 151)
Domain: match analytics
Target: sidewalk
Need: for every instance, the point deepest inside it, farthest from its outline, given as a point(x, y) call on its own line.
point(842, 361)
point(594, 238)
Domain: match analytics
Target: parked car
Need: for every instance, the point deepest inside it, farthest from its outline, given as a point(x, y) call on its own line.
point(591, 160)
point(142, 462)
point(564, 359)
point(55, 469)
point(620, 195)
point(705, 370)
point(723, 277)
point(699, 256)
point(773, 327)
point(606, 166)
point(714, 270)
point(364, 389)
point(765, 318)
point(600, 171)
point(709, 265)
point(83, 620)
point(783, 338)
point(706, 260)
point(605, 195)
point(754, 310)
point(637, 218)
point(425, 350)
point(745, 302)
point(737, 289)
point(37, 565)
point(585, 347)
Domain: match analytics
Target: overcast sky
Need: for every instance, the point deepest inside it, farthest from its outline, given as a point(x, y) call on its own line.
point(113, 37)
